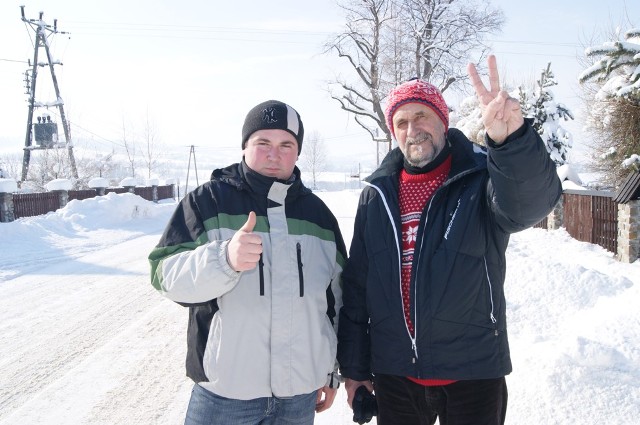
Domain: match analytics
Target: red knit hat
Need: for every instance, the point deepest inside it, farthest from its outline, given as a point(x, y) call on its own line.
point(416, 91)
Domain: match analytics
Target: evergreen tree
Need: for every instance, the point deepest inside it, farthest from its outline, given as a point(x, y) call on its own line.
point(537, 103)
point(618, 69)
point(540, 105)
point(614, 105)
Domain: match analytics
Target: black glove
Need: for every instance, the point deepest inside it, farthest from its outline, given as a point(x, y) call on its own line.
point(364, 405)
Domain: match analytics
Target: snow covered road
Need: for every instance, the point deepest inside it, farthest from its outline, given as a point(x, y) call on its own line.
point(85, 339)
point(90, 340)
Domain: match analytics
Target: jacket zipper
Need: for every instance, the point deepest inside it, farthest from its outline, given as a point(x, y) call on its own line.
point(414, 347)
point(415, 285)
point(300, 276)
point(261, 270)
point(491, 316)
point(413, 338)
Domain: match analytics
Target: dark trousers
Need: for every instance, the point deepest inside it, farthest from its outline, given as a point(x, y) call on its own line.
point(474, 402)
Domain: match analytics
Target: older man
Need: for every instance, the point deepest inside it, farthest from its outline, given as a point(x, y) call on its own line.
point(423, 322)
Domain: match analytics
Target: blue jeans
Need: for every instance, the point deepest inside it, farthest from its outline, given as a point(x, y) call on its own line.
point(403, 402)
point(207, 408)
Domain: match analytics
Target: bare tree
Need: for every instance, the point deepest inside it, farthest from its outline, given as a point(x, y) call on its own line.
point(11, 165)
point(314, 156)
point(359, 44)
point(390, 41)
point(129, 143)
point(444, 33)
point(98, 165)
point(151, 150)
point(49, 165)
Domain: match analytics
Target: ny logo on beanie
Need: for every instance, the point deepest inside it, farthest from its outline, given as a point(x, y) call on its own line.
point(269, 115)
point(273, 115)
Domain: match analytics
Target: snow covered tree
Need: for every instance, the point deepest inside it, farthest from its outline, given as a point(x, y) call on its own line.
point(613, 85)
point(619, 68)
point(540, 105)
point(468, 119)
point(537, 103)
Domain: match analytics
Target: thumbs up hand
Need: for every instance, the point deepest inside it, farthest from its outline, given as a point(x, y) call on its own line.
point(245, 247)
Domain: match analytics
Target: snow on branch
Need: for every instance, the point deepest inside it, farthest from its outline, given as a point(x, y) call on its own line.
point(618, 67)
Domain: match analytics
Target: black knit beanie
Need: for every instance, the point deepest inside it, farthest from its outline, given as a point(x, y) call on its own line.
point(273, 115)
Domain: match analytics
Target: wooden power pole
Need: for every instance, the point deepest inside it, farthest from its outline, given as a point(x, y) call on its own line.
point(46, 131)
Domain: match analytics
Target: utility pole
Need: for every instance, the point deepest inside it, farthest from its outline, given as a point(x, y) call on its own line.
point(379, 140)
point(192, 152)
point(41, 30)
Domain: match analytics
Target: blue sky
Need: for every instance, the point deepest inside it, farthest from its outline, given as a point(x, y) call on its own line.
point(196, 67)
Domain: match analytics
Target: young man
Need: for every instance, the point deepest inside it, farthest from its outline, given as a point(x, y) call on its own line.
point(257, 259)
point(424, 306)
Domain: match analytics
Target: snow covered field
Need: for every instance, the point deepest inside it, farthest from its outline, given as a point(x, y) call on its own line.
point(85, 339)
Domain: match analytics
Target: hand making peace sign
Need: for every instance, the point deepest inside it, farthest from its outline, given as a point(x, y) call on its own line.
point(501, 114)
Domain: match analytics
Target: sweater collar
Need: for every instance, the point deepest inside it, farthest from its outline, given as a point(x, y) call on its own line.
point(436, 163)
point(465, 155)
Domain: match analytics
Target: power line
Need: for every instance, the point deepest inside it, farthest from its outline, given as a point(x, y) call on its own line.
point(535, 54)
point(200, 28)
point(169, 28)
point(97, 135)
point(13, 60)
point(536, 43)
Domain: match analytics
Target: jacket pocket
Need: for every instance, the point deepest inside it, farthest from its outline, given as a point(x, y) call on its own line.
point(300, 275)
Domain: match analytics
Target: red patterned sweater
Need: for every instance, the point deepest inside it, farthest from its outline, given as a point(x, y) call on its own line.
point(415, 192)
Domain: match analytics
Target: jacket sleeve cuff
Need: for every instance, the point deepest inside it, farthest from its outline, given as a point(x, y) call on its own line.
point(333, 380)
point(515, 135)
point(223, 259)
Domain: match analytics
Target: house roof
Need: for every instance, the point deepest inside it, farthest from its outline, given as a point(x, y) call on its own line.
point(629, 190)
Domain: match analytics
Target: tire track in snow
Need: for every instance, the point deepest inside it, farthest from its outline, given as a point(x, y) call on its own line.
point(69, 318)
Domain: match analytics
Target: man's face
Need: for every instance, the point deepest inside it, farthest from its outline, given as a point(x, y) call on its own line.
point(272, 153)
point(420, 133)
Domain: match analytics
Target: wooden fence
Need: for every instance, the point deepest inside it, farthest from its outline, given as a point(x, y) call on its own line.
point(592, 218)
point(588, 216)
point(32, 204)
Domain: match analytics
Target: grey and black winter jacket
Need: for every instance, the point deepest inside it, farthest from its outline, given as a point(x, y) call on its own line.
point(458, 270)
point(267, 331)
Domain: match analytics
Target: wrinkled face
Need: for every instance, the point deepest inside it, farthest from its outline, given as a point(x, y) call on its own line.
point(420, 133)
point(272, 153)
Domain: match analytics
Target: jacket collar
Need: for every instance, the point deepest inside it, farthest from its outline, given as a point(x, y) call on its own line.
point(242, 177)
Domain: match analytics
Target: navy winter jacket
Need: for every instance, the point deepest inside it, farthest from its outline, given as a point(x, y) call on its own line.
point(458, 270)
